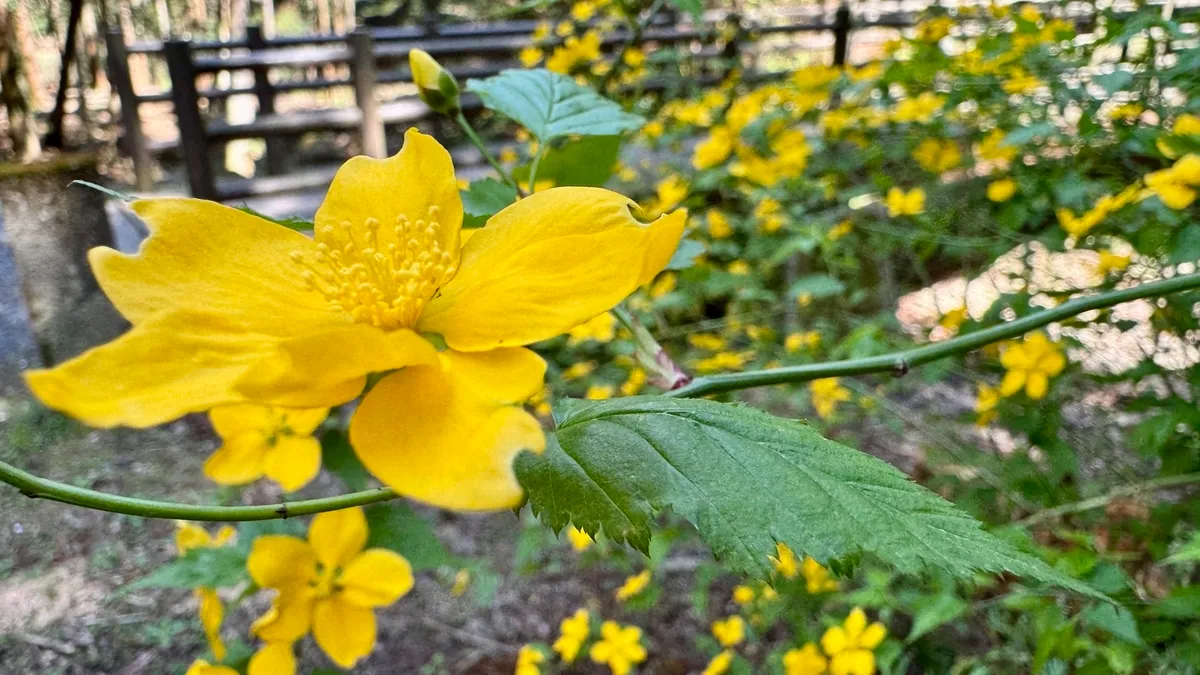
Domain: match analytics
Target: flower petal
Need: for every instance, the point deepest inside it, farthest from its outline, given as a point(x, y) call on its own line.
point(338, 536)
point(329, 367)
point(293, 461)
point(212, 613)
point(376, 578)
point(288, 619)
point(1036, 385)
point(165, 367)
point(235, 263)
point(344, 631)
point(407, 184)
point(281, 561)
point(238, 461)
point(1014, 381)
point(231, 421)
point(872, 636)
point(546, 264)
point(447, 436)
point(276, 658)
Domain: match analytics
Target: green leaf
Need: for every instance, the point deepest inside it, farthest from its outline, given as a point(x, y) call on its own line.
point(208, 567)
point(551, 105)
point(588, 161)
point(1115, 81)
point(685, 256)
point(1186, 247)
point(337, 456)
point(1188, 553)
point(746, 480)
point(395, 526)
point(1114, 620)
point(818, 286)
point(934, 611)
point(693, 7)
point(291, 222)
point(484, 199)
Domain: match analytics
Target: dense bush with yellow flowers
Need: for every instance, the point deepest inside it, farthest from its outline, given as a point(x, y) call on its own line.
point(489, 345)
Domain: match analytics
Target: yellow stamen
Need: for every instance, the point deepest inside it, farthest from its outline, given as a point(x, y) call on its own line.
point(385, 280)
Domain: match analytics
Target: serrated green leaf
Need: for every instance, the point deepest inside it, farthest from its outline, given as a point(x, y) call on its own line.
point(551, 105)
point(485, 198)
point(1115, 620)
point(934, 611)
point(219, 567)
point(747, 480)
point(396, 527)
point(685, 256)
point(588, 161)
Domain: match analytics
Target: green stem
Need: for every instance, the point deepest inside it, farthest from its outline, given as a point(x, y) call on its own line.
point(899, 363)
point(42, 488)
point(533, 167)
point(478, 142)
point(1103, 500)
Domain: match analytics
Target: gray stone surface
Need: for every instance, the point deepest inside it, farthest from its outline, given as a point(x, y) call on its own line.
point(18, 344)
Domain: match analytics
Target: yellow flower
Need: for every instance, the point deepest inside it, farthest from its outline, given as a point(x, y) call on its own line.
point(807, 660)
point(992, 148)
point(578, 370)
point(635, 382)
point(230, 308)
point(1001, 190)
point(817, 578)
point(600, 328)
point(580, 540)
point(743, 595)
point(850, 647)
point(986, 401)
point(530, 56)
point(1029, 365)
point(634, 585)
point(718, 224)
point(1176, 186)
point(574, 52)
point(730, 631)
point(599, 392)
point(266, 441)
point(933, 30)
point(664, 285)
point(1110, 262)
point(1186, 124)
point(212, 613)
point(573, 632)
point(583, 10)
point(541, 31)
point(710, 341)
point(1021, 82)
point(529, 658)
point(714, 149)
point(1127, 112)
point(920, 109)
point(200, 667)
point(327, 584)
point(564, 28)
point(721, 361)
point(815, 77)
point(901, 203)
point(189, 536)
point(634, 57)
point(620, 647)
point(937, 156)
point(826, 394)
point(719, 665)
point(955, 318)
point(670, 192)
point(275, 658)
point(785, 561)
point(462, 581)
point(1029, 13)
point(653, 129)
point(840, 230)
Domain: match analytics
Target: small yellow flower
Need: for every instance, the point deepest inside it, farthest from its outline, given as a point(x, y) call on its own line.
point(992, 148)
point(653, 129)
point(529, 660)
point(1110, 262)
point(670, 192)
point(663, 285)
point(730, 631)
point(583, 10)
point(937, 156)
point(1176, 186)
point(715, 149)
point(718, 224)
point(327, 584)
point(634, 585)
point(564, 28)
point(633, 385)
point(580, 540)
point(190, 535)
point(722, 361)
point(986, 401)
point(530, 56)
point(1021, 82)
point(200, 667)
point(1001, 190)
point(840, 230)
point(634, 57)
point(266, 441)
point(573, 632)
point(955, 318)
point(620, 647)
point(920, 109)
point(826, 394)
point(600, 328)
point(785, 561)
point(1029, 365)
point(599, 392)
point(709, 341)
point(807, 660)
point(578, 370)
point(436, 85)
point(901, 203)
point(933, 30)
point(462, 581)
point(817, 578)
point(743, 595)
point(739, 268)
point(719, 665)
point(850, 647)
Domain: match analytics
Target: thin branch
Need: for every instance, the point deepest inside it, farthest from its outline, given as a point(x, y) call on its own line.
point(487, 155)
point(1160, 483)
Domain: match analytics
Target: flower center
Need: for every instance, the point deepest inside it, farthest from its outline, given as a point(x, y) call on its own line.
point(325, 584)
point(383, 277)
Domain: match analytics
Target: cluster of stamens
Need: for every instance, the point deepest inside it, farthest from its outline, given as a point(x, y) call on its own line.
point(387, 278)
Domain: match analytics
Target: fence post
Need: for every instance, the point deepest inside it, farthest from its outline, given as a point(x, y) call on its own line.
point(275, 149)
point(374, 144)
point(193, 136)
point(135, 141)
point(841, 34)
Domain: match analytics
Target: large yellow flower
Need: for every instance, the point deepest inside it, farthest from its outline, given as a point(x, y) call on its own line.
point(230, 308)
point(327, 584)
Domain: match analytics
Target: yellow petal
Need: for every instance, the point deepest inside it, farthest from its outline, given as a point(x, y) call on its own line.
point(344, 631)
point(288, 619)
point(165, 367)
point(304, 421)
point(1014, 381)
point(236, 264)
point(329, 367)
point(1036, 385)
point(448, 435)
point(834, 640)
point(238, 461)
point(1052, 363)
point(280, 561)
point(338, 536)
point(293, 461)
point(855, 622)
point(546, 264)
point(407, 184)
point(231, 421)
point(212, 613)
point(376, 578)
point(200, 667)
point(853, 662)
point(276, 658)
point(872, 636)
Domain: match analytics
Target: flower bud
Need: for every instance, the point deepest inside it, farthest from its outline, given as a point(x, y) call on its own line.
point(438, 88)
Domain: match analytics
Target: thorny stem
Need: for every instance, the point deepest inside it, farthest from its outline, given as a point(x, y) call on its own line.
point(898, 363)
point(487, 155)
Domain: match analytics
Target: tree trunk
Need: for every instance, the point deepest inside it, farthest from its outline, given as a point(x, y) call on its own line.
point(22, 24)
point(21, 124)
point(90, 52)
point(324, 20)
point(54, 139)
